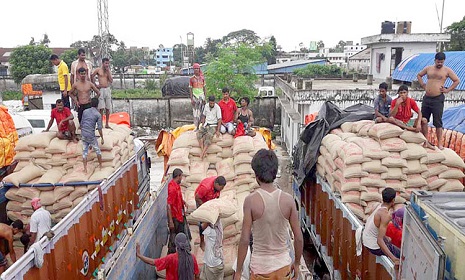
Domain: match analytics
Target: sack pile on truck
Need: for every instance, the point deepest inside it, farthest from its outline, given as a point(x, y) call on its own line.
point(361, 158)
point(229, 157)
point(45, 159)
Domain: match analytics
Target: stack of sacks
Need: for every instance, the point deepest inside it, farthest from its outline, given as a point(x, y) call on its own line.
point(229, 157)
point(362, 158)
point(45, 159)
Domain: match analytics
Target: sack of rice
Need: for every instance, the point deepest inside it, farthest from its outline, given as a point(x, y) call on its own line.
point(14, 206)
point(179, 157)
point(77, 201)
point(195, 151)
point(414, 167)
point(57, 160)
point(365, 124)
point(11, 194)
point(452, 185)
point(357, 210)
point(42, 140)
point(347, 126)
point(452, 159)
point(205, 215)
point(78, 175)
point(412, 137)
point(242, 158)
point(371, 206)
point(374, 166)
point(78, 192)
point(415, 181)
point(244, 179)
point(225, 168)
point(393, 144)
point(243, 144)
point(394, 174)
point(225, 140)
point(351, 197)
point(52, 176)
point(335, 147)
point(373, 180)
point(328, 139)
point(25, 175)
point(452, 173)
point(397, 185)
point(214, 149)
point(62, 191)
point(213, 158)
point(21, 164)
point(433, 156)
point(47, 198)
point(350, 153)
point(108, 155)
point(354, 171)
point(28, 193)
point(435, 183)
point(198, 171)
point(57, 146)
point(73, 149)
point(243, 168)
point(394, 160)
point(350, 184)
point(371, 194)
point(211, 172)
point(370, 148)
point(23, 143)
point(23, 155)
point(434, 169)
point(384, 131)
point(231, 220)
point(226, 153)
point(346, 136)
point(414, 151)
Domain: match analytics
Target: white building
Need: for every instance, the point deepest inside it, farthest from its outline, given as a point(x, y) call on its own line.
point(388, 50)
point(360, 61)
point(338, 59)
point(351, 49)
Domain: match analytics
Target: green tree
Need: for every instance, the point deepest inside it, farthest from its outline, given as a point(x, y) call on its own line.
point(271, 58)
point(457, 39)
point(45, 40)
point(233, 68)
point(320, 45)
point(30, 59)
point(340, 46)
point(177, 54)
point(244, 36)
point(319, 71)
point(69, 56)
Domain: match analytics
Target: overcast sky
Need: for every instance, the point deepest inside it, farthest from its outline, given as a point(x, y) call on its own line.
point(154, 22)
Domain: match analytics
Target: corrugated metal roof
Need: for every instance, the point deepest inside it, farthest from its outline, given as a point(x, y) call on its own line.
point(293, 63)
point(408, 69)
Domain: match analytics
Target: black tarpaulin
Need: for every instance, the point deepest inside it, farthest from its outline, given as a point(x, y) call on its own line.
point(176, 86)
point(330, 116)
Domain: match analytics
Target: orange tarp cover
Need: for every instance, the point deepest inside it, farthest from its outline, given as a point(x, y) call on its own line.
point(8, 137)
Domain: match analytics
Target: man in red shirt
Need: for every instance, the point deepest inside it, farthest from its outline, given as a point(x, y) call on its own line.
point(65, 123)
point(208, 189)
point(174, 208)
point(401, 113)
point(228, 110)
point(181, 265)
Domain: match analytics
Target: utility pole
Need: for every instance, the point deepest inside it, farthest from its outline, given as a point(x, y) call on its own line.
point(103, 30)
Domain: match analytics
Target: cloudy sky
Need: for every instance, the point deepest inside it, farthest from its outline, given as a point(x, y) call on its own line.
point(154, 22)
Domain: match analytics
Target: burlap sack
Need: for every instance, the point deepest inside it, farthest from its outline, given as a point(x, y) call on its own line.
point(11, 194)
point(243, 168)
point(414, 167)
point(373, 180)
point(393, 144)
point(413, 137)
point(214, 149)
point(226, 140)
point(394, 174)
point(328, 139)
point(243, 144)
point(370, 147)
point(23, 143)
point(28, 193)
point(452, 173)
point(41, 140)
point(357, 210)
point(14, 206)
point(25, 175)
point(385, 131)
point(452, 185)
point(57, 146)
point(435, 183)
point(347, 126)
point(394, 160)
point(47, 198)
point(225, 168)
point(452, 159)
point(179, 157)
point(242, 158)
point(414, 151)
point(52, 176)
point(374, 166)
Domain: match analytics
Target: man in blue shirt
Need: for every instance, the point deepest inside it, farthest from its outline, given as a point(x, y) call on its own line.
point(90, 118)
point(382, 104)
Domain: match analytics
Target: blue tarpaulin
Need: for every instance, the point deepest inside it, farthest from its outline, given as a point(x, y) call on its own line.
point(454, 118)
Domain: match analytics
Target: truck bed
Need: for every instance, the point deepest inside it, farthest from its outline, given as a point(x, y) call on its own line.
point(332, 228)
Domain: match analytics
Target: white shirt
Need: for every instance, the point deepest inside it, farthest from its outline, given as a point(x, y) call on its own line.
point(209, 257)
point(212, 115)
point(40, 223)
point(246, 267)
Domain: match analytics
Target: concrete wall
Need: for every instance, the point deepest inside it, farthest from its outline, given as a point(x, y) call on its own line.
point(173, 112)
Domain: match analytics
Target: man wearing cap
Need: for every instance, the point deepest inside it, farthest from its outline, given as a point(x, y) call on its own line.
point(197, 93)
point(41, 221)
point(208, 189)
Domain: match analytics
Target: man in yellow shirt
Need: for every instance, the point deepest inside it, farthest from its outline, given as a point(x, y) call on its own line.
point(63, 78)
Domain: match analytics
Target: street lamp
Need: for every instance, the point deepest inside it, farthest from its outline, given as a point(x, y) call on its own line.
point(182, 58)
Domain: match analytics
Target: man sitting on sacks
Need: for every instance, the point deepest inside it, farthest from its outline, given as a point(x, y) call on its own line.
point(65, 122)
point(401, 113)
point(209, 125)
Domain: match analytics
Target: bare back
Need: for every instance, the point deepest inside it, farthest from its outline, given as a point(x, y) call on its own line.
point(436, 79)
point(5, 232)
point(83, 91)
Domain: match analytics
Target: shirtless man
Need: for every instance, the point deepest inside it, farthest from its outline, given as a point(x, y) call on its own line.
point(374, 234)
point(83, 87)
point(104, 81)
point(7, 232)
point(433, 101)
point(79, 63)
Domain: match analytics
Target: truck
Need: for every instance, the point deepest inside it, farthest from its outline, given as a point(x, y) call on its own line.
point(433, 229)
